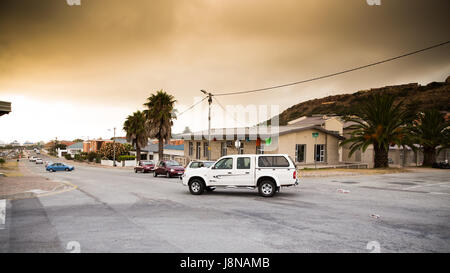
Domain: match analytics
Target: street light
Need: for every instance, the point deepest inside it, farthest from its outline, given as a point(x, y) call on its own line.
point(209, 121)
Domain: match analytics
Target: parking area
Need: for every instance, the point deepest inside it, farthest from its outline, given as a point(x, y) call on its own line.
point(122, 211)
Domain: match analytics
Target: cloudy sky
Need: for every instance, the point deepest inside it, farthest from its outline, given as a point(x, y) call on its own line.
point(76, 71)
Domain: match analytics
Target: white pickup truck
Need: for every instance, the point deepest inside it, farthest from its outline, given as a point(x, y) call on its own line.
point(267, 172)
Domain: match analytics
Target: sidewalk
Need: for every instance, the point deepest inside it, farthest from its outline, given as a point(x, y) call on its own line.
point(86, 163)
point(350, 172)
point(20, 183)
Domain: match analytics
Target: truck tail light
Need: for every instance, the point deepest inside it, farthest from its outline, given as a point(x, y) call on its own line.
point(294, 175)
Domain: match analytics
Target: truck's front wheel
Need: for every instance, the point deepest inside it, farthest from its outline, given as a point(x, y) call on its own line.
point(267, 188)
point(196, 187)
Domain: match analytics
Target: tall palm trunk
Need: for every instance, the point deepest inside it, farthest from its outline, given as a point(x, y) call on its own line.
point(429, 156)
point(160, 148)
point(381, 157)
point(138, 152)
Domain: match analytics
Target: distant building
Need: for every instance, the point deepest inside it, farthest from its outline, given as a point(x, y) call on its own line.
point(171, 152)
point(94, 145)
point(15, 143)
point(307, 141)
point(175, 152)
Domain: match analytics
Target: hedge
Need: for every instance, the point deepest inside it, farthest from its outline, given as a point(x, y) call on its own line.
point(126, 157)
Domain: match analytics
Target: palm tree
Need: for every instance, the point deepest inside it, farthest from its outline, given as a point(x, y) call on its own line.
point(136, 131)
point(160, 113)
point(430, 131)
point(378, 121)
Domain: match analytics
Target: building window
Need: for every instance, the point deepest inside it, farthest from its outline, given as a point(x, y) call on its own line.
point(223, 149)
point(241, 148)
point(260, 150)
point(191, 148)
point(300, 152)
point(319, 152)
point(198, 150)
point(205, 149)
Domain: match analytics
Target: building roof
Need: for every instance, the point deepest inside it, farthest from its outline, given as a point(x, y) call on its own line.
point(67, 143)
point(174, 147)
point(5, 107)
point(78, 145)
point(243, 132)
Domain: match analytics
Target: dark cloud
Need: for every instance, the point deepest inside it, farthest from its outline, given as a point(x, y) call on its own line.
point(106, 49)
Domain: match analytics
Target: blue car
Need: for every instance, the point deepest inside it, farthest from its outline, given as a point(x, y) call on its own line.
point(59, 167)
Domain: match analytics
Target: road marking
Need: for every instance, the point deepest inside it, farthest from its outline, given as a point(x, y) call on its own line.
point(73, 187)
point(429, 185)
point(444, 193)
point(2, 213)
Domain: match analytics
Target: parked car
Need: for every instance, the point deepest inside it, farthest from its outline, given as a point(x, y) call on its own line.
point(199, 164)
point(39, 161)
point(169, 168)
point(145, 167)
point(32, 159)
point(267, 173)
point(441, 165)
point(59, 167)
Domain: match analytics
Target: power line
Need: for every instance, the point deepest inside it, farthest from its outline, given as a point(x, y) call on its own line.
point(192, 106)
point(333, 74)
point(221, 106)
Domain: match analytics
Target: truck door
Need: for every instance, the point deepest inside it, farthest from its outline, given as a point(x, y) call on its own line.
point(244, 173)
point(221, 173)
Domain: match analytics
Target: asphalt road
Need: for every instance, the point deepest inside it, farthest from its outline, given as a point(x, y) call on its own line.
point(120, 211)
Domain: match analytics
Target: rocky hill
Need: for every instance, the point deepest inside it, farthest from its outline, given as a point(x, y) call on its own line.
point(415, 96)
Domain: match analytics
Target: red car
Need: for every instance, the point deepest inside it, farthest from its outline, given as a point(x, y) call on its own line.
point(169, 168)
point(145, 167)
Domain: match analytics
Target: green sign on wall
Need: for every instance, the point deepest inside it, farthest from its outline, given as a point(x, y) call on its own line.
point(315, 135)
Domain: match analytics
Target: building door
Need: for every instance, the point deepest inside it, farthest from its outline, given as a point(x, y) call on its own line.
point(300, 152)
point(319, 152)
point(198, 150)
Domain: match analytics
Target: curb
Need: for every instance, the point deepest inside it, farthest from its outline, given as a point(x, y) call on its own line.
point(27, 195)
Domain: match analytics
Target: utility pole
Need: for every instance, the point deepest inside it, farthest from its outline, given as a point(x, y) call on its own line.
point(209, 121)
point(114, 148)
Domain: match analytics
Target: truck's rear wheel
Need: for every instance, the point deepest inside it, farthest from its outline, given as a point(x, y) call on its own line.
point(267, 188)
point(196, 187)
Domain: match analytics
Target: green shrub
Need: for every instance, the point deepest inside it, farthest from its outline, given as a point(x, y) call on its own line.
point(98, 159)
point(68, 156)
point(84, 155)
point(78, 157)
point(2, 161)
point(126, 157)
point(91, 156)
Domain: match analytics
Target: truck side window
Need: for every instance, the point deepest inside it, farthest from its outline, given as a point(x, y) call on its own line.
point(273, 161)
point(225, 163)
point(243, 163)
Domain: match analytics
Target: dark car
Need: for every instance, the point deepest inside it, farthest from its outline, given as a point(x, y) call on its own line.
point(441, 165)
point(145, 167)
point(169, 168)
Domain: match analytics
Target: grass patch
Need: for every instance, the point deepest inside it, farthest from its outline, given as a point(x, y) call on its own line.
point(10, 169)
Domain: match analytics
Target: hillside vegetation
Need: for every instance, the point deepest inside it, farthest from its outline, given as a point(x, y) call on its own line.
point(416, 97)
